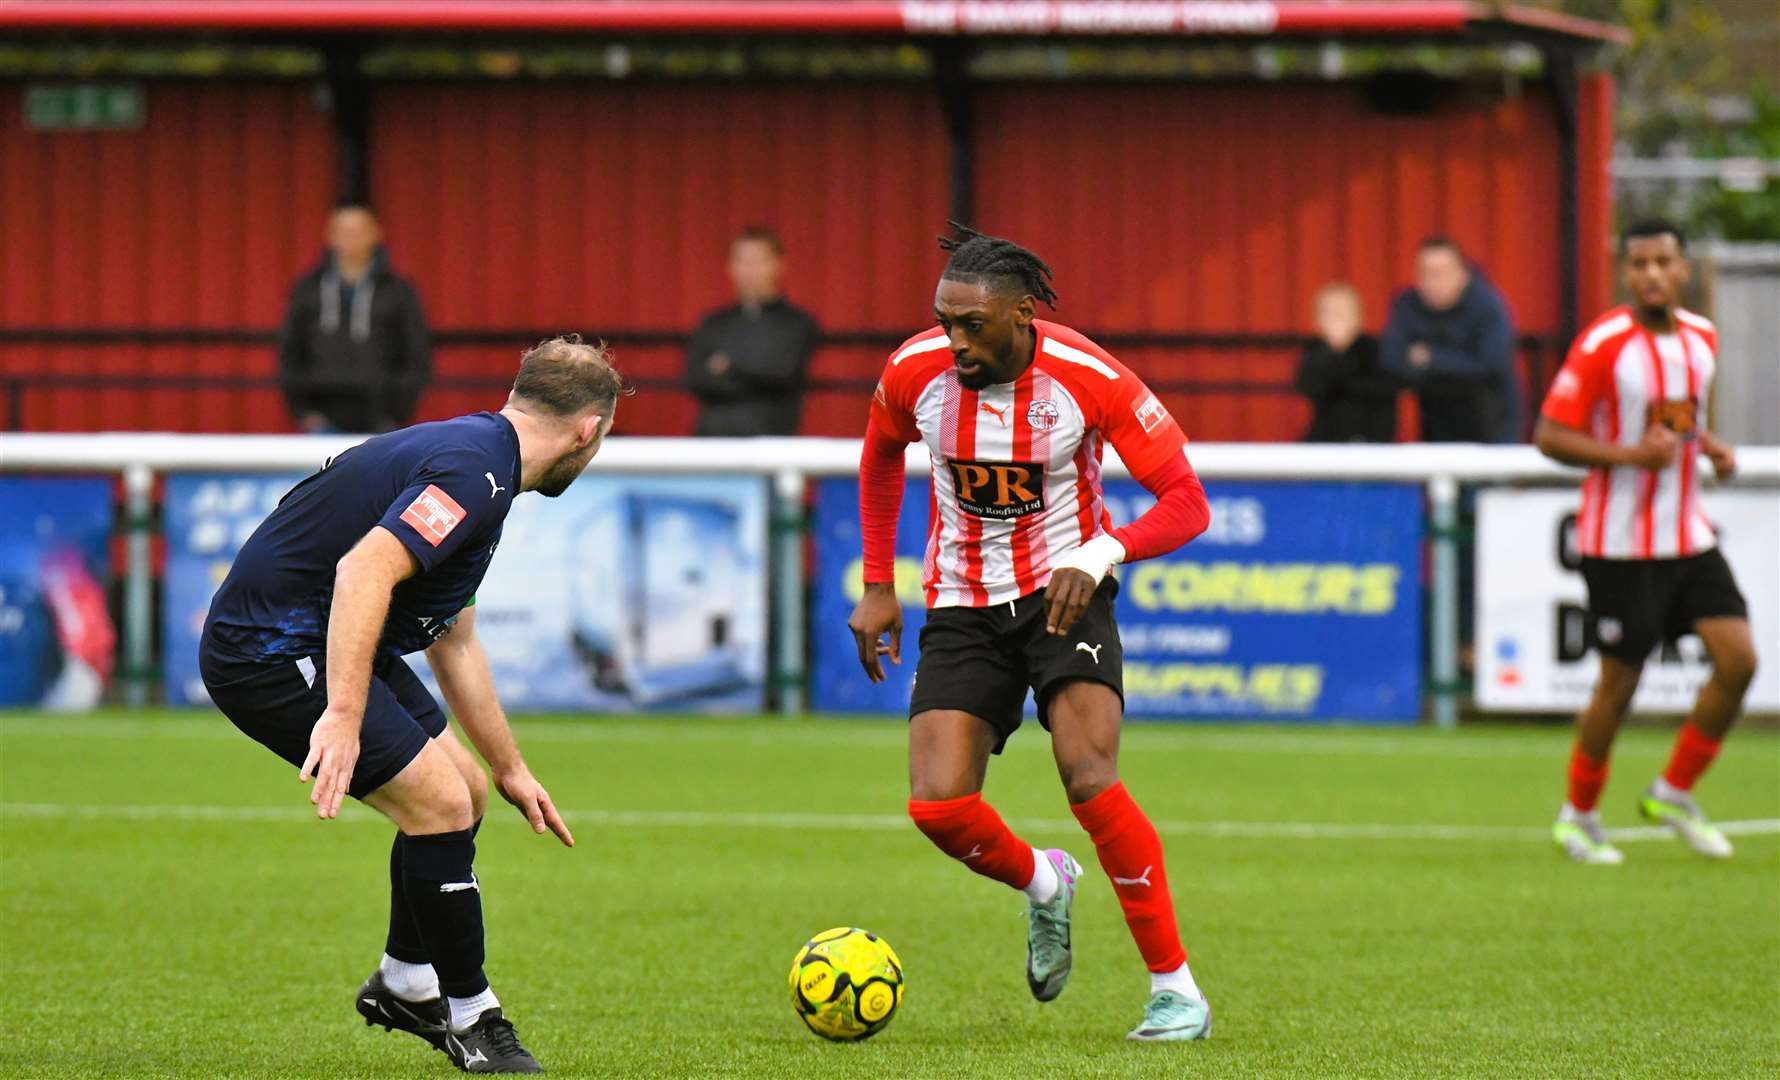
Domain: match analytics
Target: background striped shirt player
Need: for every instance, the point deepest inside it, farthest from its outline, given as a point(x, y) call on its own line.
point(1630, 405)
point(1617, 381)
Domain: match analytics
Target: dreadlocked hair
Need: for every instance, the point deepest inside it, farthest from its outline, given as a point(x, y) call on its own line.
point(981, 259)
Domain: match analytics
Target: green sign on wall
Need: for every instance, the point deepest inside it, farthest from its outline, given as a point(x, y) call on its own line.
point(83, 106)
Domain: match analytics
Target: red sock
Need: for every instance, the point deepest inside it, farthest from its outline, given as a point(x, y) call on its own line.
point(1131, 854)
point(969, 830)
point(1692, 754)
point(1587, 778)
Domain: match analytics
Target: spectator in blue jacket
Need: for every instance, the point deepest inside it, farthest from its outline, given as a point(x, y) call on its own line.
point(1450, 337)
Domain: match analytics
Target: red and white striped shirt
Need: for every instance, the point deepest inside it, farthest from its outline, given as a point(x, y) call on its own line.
point(1016, 466)
point(1618, 380)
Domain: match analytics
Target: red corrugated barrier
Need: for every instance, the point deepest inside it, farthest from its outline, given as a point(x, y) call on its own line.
point(606, 208)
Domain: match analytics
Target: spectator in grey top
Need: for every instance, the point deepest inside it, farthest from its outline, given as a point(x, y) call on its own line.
point(1451, 339)
point(746, 362)
point(353, 354)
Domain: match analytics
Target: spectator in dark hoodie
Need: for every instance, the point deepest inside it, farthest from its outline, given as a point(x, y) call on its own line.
point(353, 353)
point(1451, 338)
point(1353, 399)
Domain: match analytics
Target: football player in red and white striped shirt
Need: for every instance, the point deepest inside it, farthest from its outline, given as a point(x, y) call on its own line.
point(1014, 412)
point(1630, 404)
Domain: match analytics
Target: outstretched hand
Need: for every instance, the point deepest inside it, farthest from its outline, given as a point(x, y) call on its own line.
point(519, 787)
point(333, 753)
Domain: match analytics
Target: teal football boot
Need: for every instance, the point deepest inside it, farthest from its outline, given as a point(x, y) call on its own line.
point(1173, 1017)
point(1048, 956)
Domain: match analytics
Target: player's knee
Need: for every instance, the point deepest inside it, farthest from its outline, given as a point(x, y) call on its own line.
point(1736, 667)
point(477, 782)
point(451, 808)
point(939, 788)
point(1614, 690)
point(1083, 780)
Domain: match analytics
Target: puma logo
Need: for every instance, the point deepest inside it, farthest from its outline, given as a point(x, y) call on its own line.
point(1094, 651)
point(975, 853)
point(462, 886)
point(497, 488)
point(999, 414)
point(1141, 879)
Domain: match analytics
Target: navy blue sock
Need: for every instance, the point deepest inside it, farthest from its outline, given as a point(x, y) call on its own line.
point(403, 941)
point(445, 901)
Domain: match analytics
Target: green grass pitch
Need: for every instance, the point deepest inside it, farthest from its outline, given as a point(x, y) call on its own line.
point(1355, 903)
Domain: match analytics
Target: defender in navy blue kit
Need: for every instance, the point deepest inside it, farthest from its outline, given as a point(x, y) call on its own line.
point(442, 489)
point(378, 555)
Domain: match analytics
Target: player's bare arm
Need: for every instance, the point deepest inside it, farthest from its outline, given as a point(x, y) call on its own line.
point(1573, 446)
point(461, 666)
point(363, 581)
point(1722, 455)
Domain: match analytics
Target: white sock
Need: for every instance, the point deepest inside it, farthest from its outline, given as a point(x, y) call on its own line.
point(1045, 882)
point(410, 982)
point(1662, 789)
point(1180, 980)
point(1569, 815)
point(466, 1011)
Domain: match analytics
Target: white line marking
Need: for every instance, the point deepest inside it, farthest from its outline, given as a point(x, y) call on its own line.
point(706, 819)
point(1158, 736)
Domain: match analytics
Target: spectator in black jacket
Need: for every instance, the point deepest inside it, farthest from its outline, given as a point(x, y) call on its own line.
point(1451, 338)
point(745, 363)
point(1353, 398)
point(353, 354)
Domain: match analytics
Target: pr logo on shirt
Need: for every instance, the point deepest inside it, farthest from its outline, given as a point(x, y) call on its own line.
point(1677, 416)
point(1150, 414)
point(998, 489)
point(433, 514)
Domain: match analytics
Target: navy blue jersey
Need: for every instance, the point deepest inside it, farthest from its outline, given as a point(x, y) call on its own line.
point(442, 488)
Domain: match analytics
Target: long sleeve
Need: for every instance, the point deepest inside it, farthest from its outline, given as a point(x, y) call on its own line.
point(880, 500)
point(415, 357)
point(778, 351)
point(699, 380)
point(1393, 347)
point(1366, 376)
point(1180, 513)
point(1318, 371)
point(293, 359)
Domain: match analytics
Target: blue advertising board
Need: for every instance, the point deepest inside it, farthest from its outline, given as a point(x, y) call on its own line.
point(206, 517)
point(57, 641)
point(1301, 601)
point(623, 593)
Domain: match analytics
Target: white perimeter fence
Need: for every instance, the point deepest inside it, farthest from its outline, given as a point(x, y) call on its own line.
point(1442, 470)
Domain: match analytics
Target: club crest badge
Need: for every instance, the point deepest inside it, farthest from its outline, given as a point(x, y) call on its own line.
point(1043, 414)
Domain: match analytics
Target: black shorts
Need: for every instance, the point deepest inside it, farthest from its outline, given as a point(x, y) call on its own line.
point(1636, 604)
point(983, 660)
point(277, 704)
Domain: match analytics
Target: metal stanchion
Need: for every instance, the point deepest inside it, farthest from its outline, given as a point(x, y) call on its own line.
point(139, 483)
point(1443, 666)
